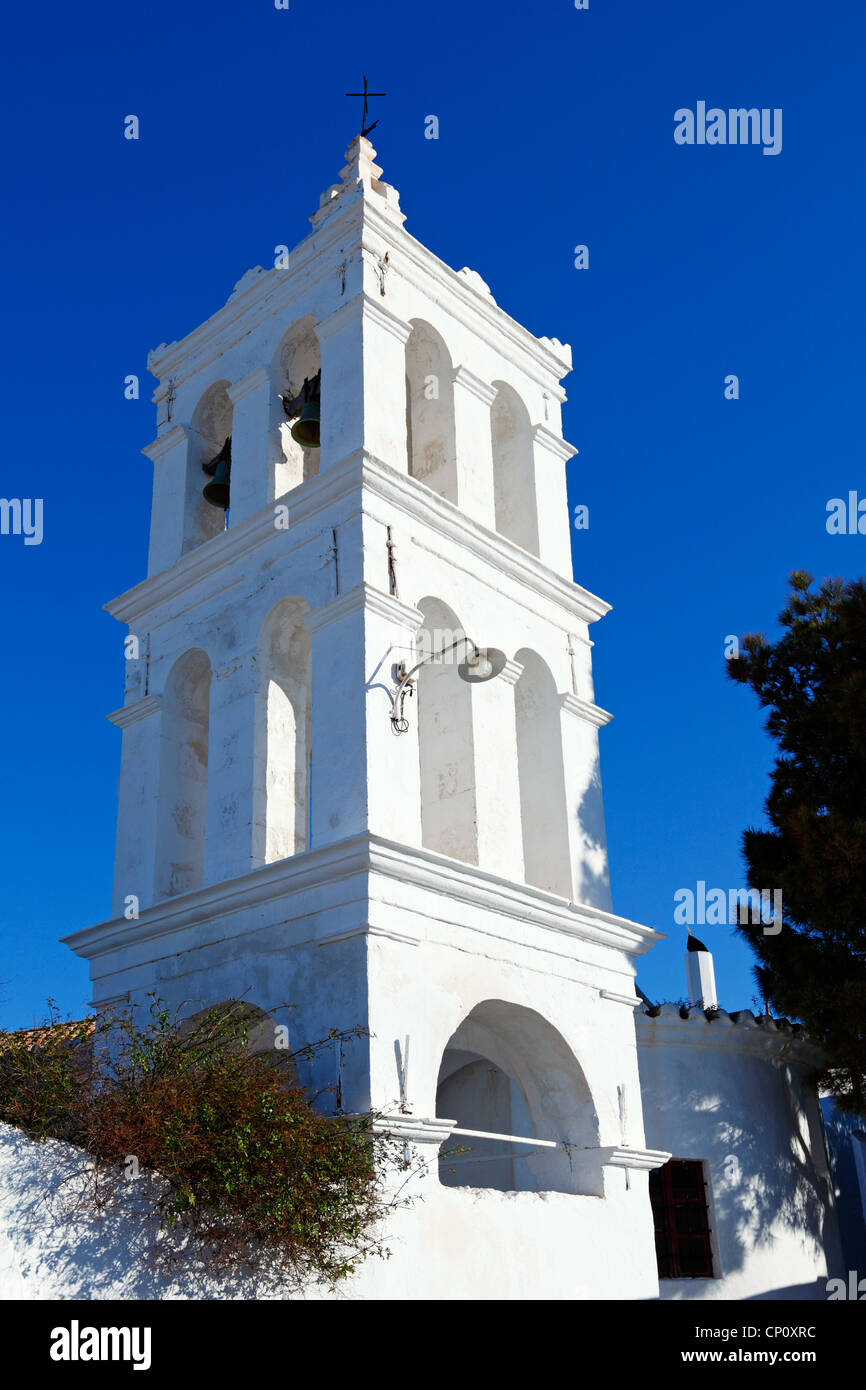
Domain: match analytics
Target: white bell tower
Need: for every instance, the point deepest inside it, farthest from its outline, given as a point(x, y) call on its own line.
point(444, 887)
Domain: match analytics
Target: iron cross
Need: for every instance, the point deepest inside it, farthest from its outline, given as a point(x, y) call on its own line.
point(365, 129)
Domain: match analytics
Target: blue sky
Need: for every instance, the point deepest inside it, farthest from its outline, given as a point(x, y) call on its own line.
point(556, 129)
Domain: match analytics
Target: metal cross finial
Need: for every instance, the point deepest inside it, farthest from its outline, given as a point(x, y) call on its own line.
point(365, 129)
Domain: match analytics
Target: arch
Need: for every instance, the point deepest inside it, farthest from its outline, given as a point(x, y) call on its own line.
point(263, 1035)
point(506, 1070)
point(430, 410)
point(513, 476)
point(297, 359)
point(541, 777)
point(182, 801)
point(445, 741)
point(210, 427)
point(283, 740)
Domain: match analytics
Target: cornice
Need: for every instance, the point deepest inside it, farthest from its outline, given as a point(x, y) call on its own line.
point(358, 471)
point(624, 1156)
point(532, 355)
point(631, 1000)
point(364, 596)
point(511, 672)
point(553, 443)
point(729, 1032)
point(582, 709)
point(415, 498)
point(329, 864)
point(212, 555)
point(475, 385)
point(469, 884)
point(131, 714)
point(372, 857)
point(316, 257)
point(414, 1131)
point(275, 290)
point(259, 376)
point(164, 443)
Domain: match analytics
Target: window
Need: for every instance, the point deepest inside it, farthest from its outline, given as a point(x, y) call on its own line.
point(678, 1193)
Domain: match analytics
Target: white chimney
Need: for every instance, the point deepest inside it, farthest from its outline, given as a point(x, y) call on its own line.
point(700, 975)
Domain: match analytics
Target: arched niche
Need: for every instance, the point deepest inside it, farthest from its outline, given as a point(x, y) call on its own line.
point(430, 411)
point(249, 1026)
point(297, 359)
point(282, 747)
point(507, 1071)
point(445, 740)
point(513, 474)
point(182, 801)
point(210, 427)
point(541, 777)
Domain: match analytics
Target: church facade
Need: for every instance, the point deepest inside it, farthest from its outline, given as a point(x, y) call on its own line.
point(360, 789)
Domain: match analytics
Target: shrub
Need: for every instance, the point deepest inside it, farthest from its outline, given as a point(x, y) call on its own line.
point(244, 1164)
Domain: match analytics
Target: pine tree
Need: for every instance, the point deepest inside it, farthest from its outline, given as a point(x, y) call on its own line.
point(813, 682)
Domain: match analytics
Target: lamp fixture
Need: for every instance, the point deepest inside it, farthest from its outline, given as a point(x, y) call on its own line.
point(478, 665)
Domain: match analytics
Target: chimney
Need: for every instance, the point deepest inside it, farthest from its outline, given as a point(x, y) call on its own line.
point(700, 975)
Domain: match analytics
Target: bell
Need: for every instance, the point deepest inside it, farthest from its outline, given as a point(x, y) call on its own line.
point(213, 464)
point(305, 431)
point(219, 468)
point(217, 490)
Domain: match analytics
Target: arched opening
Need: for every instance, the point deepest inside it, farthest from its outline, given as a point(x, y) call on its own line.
point(445, 743)
point(244, 1025)
point(298, 359)
point(509, 1075)
point(283, 735)
point(430, 411)
point(182, 799)
point(541, 776)
point(210, 427)
point(513, 479)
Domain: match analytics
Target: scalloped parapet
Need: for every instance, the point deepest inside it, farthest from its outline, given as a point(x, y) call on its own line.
point(474, 279)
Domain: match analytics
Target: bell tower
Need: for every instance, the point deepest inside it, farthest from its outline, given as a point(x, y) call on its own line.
point(359, 768)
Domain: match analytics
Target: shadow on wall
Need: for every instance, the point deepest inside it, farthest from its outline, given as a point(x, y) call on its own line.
point(758, 1126)
point(593, 887)
point(843, 1132)
point(58, 1247)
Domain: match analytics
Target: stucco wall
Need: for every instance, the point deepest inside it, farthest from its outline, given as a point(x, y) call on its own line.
point(454, 1244)
point(733, 1094)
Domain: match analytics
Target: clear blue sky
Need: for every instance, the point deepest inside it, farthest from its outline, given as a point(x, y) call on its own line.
point(556, 128)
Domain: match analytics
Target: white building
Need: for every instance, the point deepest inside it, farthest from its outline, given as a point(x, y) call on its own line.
point(447, 888)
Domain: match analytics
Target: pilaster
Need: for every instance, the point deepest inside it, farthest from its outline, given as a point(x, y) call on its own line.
point(549, 456)
point(251, 486)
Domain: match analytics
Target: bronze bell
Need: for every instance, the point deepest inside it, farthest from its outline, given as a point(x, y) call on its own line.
point(219, 468)
point(304, 411)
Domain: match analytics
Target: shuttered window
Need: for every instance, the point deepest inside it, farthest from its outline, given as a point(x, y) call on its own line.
point(682, 1227)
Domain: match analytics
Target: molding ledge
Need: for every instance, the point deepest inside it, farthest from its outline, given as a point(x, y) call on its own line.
point(131, 714)
point(364, 596)
point(593, 714)
point(623, 1156)
point(164, 443)
point(254, 379)
point(415, 1131)
point(369, 857)
point(632, 1000)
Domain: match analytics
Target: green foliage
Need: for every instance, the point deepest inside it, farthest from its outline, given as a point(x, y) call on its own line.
point(245, 1165)
point(813, 683)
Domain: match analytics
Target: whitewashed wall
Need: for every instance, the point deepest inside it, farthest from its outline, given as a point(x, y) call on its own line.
point(732, 1093)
